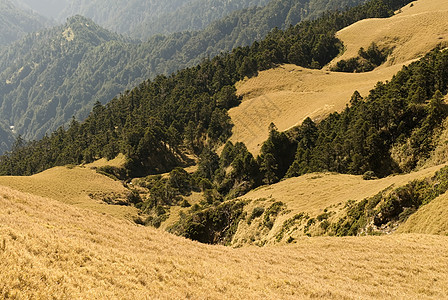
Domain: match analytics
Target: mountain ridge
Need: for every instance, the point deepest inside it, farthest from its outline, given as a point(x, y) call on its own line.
point(100, 73)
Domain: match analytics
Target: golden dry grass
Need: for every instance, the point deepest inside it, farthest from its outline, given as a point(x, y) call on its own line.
point(118, 162)
point(412, 33)
point(289, 94)
point(49, 249)
point(430, 219)
point(72, 186)
point(312, 194)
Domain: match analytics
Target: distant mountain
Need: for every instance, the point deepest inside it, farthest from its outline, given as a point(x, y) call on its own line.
point(142, 18)
point(6, 138)
point(47, 8)
point(194, 15)
point(40, 82)
point(47, 78)
point(16, 22)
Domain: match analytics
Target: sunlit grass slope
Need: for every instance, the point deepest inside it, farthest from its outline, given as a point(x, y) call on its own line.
point(431, 218)
point(417, 29)
point(289, 94)
point(73, 186)
point(313, 194)
point(49, 249)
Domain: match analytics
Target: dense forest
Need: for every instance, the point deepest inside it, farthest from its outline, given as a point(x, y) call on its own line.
point(16, 22)
point(48, 77)
point(160, 120)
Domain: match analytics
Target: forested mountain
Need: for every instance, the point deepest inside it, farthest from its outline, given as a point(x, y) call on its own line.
point(6, 138)
point(146, 18)
point(16, 22)
point(39, 85)
point(47, 78)
point(153, 123)
point(142, 18)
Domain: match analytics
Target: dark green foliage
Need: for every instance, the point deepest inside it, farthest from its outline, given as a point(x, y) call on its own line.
point(182, 181)
point(134, 197)
point(214, 225)
point(272, 212)
point(238, 171)
point(141, 122)
point(97, 65)
point(360, 138)
point(185, 204)
point(211, 197)
point(115, 173)
point(365, 62)
point(256, 212)
point(288, 224)
point(168, 191)
point(369, 175)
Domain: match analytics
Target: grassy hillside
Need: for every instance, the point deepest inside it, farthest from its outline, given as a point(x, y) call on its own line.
point(66, 252)
point(418, 28)
point(48, 78)
point(430, 219)
point(311, 195)
point(288, 95)
point(80, 187)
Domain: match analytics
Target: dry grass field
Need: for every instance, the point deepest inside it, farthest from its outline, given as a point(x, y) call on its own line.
point(49, 249)
point(289, 94)
point(413, 32)
point(72, 186)
point(118, 162)
point(430, 219)
point(56, 242)
point(311, 194)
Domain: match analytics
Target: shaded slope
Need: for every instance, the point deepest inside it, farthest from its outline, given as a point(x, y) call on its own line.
point(15, 22)
point(61, 251)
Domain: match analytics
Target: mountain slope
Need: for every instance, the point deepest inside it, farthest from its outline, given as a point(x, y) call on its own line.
point(49, 8)
point(318, 197)
point(145, 18)
point(6, 138)
point(44, 84)
point(417, 29)
point(430, 219)
point(15, 22)
point(78, 186)
point(65, 252)
point(302, 93)
point(287, 95)
point(36, 93)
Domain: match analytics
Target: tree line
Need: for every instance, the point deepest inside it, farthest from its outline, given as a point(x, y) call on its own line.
point(157, 122)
